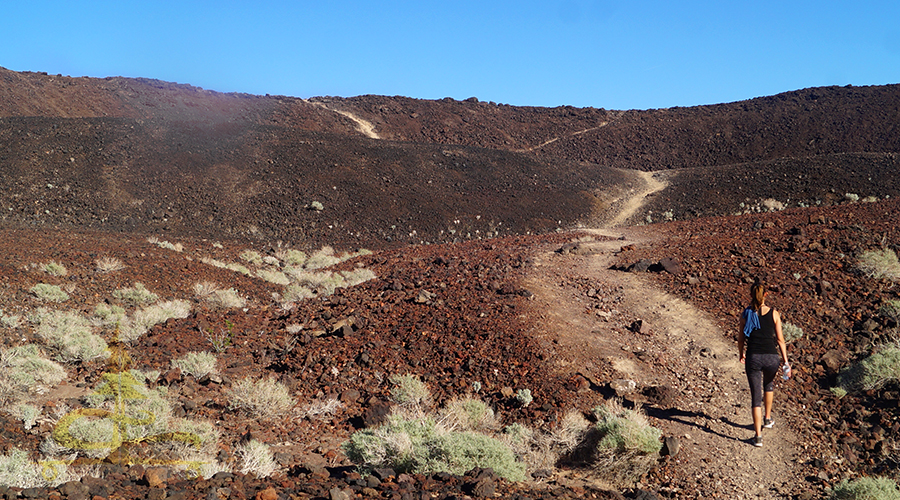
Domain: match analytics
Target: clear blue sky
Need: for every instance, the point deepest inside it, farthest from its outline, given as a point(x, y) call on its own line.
point(610, 54)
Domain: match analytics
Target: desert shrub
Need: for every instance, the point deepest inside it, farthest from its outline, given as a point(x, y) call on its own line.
point(54, 268)
point(225, 299)
point(262, 397)
point(324, 257)
point(49, 293)
point(204, 289)
point(71, 335)
point(97, 431)
point(879, 368)
point(420, 445)
point(357, 276)
point(866, 488)
point(175, 247)
point(292, 257)
point(624, 430)
point(271, 276)
point(409, 391)
point(213, 262)
point(468, 414)
point(196, 364)
point(626, 444)
point(252, 257)
point(162, 312)
point(27, 413)
point(19, 471)
point(256, 458)
point(296, 293)
point(25, 369)
point(320, 408)
point(137, 295)
point(791, 332)
point(523, 397)
point(238, 268)
point(890, 308)
point(570, 431)
point(11, 321)
point(108, 315)
point(108, 265)
point(838, 391)
point(880, 264)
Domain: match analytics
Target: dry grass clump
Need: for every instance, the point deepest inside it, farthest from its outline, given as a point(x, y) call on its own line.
point(137, 295)
point(196, 364)
point(866, 488)
point(276, 277)
point(23, 370)
point(204, 289)
point(879, 368)
point(256, 458)
point(468, 414)
point(880, 264)
point(252, 257)
point(175, 247)
point(416, 443)
point(626, 444)
point(108, 265)
point(49, 293)
point(319, 409)
point(265, 397)
point(70, 335)
point(54, 268)
point(409, 391)
point(225, 299)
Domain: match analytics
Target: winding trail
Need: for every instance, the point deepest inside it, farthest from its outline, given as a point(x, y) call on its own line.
point(684, 350)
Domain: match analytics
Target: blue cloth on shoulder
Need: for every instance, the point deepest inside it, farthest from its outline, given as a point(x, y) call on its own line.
point(751, 321)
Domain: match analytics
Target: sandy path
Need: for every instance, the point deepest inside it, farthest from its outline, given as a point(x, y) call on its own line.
point(365, 127)
point(684, 350)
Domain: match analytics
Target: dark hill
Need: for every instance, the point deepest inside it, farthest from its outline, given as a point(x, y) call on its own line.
point(139, 154)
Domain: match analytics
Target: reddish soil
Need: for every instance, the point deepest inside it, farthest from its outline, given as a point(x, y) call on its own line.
point(91, 168)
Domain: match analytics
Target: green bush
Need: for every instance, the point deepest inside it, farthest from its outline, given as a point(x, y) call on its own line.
point(523, 397)
point(54, 268)
point(71, 335)
point(791, 332)
point(468, 414)
point(196, 364)
point(890, 308)
point(26, 369)
point(137, 295)
point(879, 368)
point(408, 390)
point(276, 277)
point(49, 293)
point(880, 264)
point(252, 257)
point(866, 488)
point(17, 470)
point(261, 398)
point(626, 431)
point(419, 445)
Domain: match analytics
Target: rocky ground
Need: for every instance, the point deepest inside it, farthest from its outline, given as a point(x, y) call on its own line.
point(471, 312)
point(490, 272)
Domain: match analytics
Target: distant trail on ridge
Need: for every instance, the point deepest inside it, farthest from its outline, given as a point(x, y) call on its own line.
point(364, 126)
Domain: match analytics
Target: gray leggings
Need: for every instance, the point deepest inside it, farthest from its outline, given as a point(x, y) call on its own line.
point(761, 371)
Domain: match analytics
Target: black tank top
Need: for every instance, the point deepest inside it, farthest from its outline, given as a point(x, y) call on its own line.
point(762, 340)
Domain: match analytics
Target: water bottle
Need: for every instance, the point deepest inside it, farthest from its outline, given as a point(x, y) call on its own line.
point(786, 371)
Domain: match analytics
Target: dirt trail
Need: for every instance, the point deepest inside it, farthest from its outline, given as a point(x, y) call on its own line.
point(551, 141)
point(365, 127)
point(587, 311)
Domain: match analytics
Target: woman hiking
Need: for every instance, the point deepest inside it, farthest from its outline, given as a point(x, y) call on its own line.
point(760, 332)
